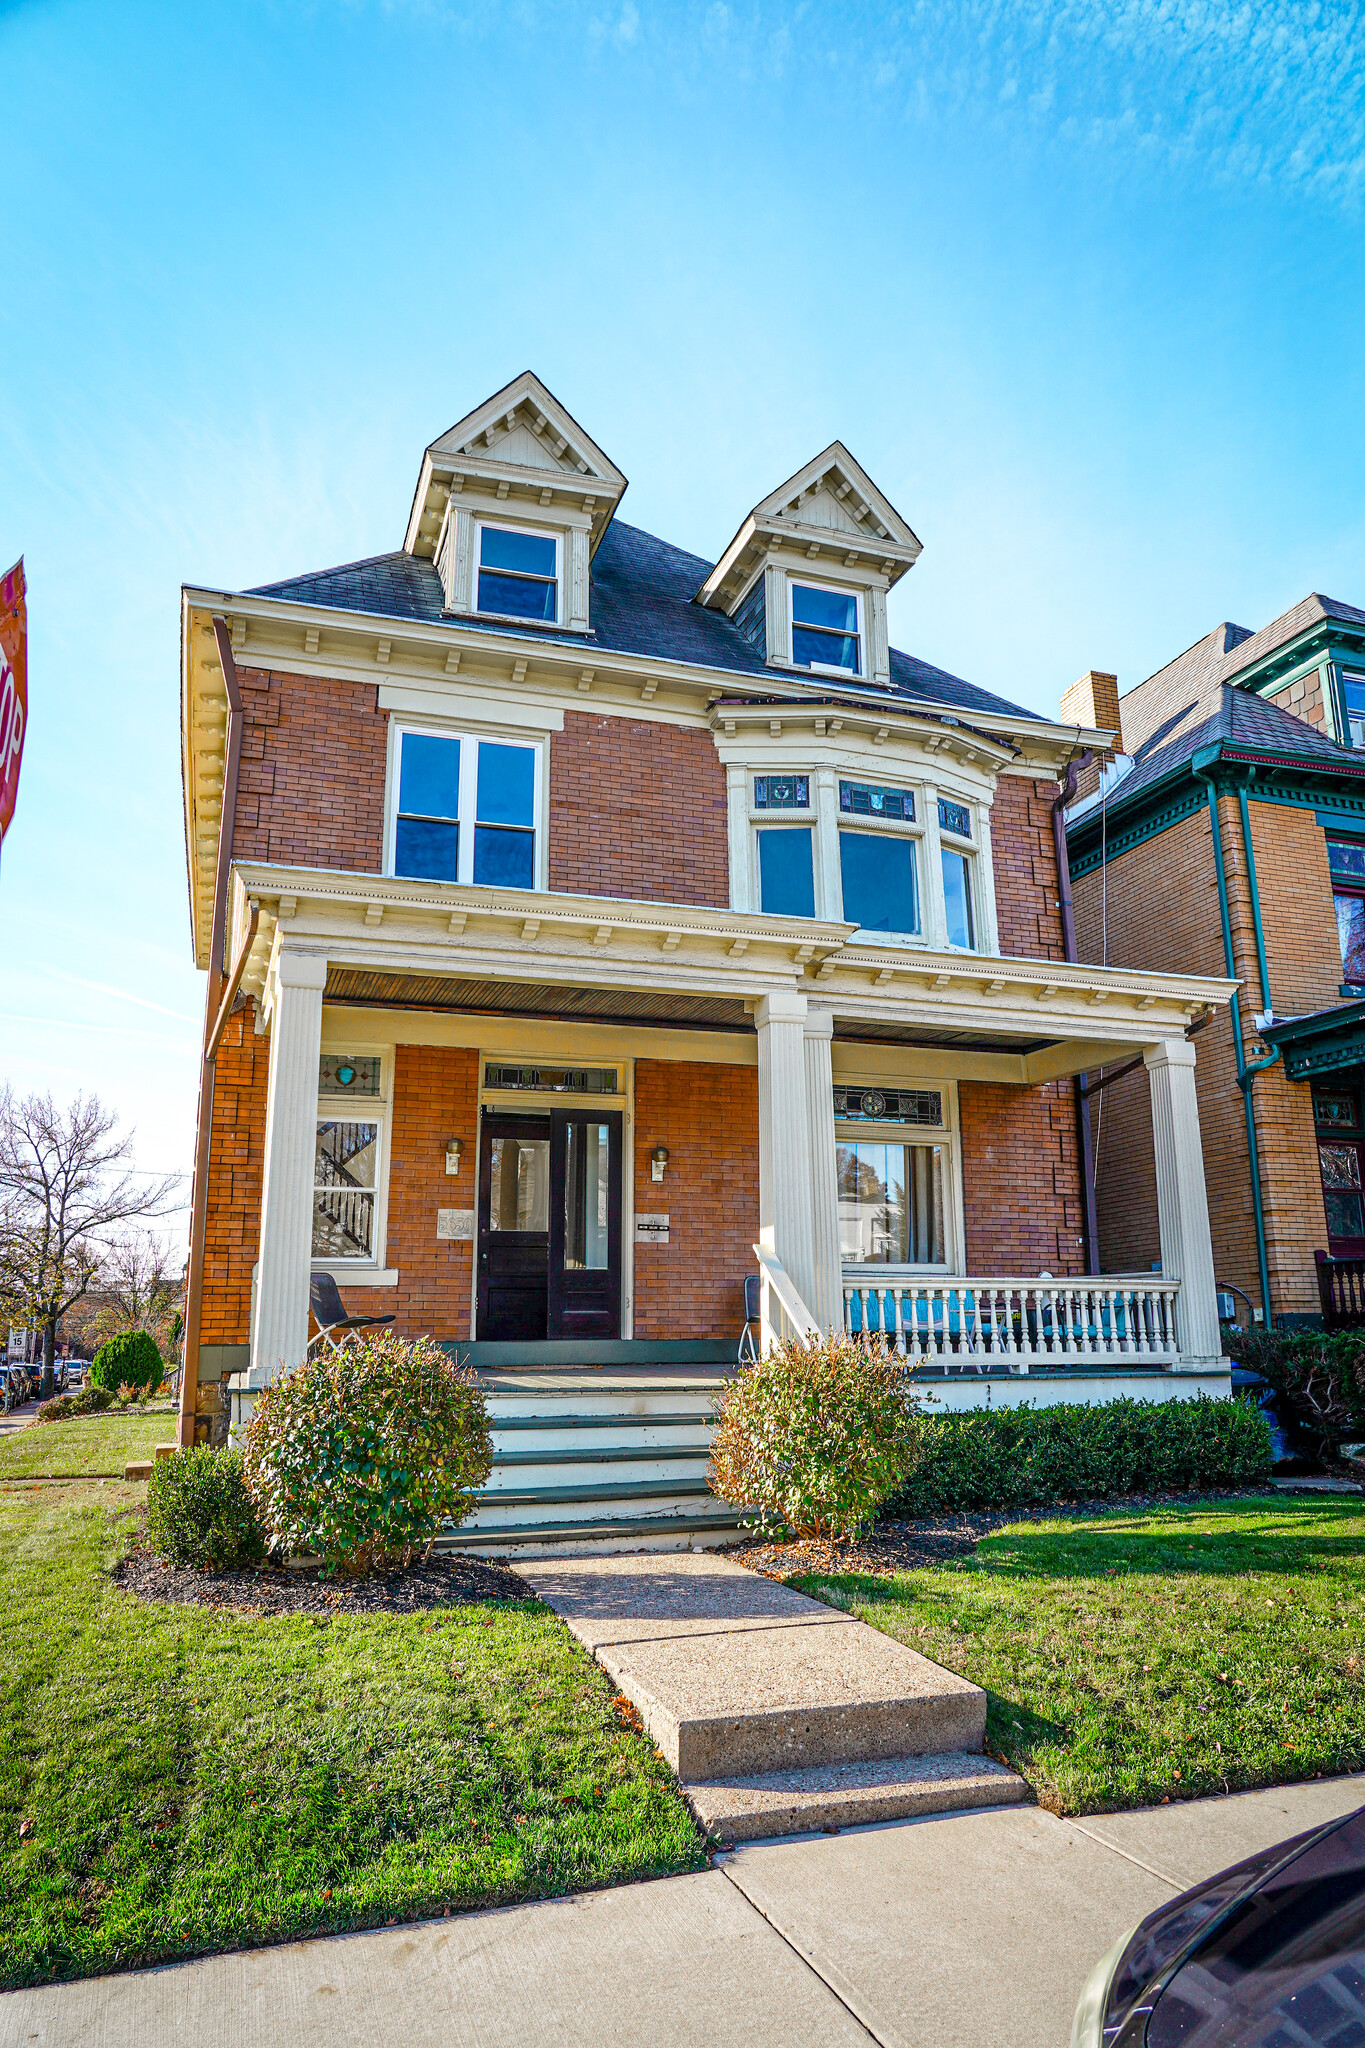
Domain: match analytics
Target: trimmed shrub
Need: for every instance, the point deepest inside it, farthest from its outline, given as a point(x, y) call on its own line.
point(1028, 1457)
point(1320, 1373)
point(360, 1455)
point(129, 1360)
point(89, 1401)
point(199, 1512)
point(815, 1438)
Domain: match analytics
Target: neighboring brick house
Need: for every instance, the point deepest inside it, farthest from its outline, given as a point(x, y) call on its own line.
point(1264, 732)
point(580, 913)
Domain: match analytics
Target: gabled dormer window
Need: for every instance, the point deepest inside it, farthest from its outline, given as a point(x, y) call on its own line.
point(518, 573)
point(826, 629)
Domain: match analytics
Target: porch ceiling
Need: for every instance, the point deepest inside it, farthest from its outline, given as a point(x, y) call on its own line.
point(535, 999)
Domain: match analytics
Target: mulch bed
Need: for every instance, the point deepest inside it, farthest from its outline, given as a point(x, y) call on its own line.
point(442, 1582)
point(890, 1547)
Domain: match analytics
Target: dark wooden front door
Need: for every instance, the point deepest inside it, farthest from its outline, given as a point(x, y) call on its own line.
point(585, 1224)
point(549, 1243)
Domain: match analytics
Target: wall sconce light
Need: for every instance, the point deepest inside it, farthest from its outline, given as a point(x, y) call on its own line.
point(658, 1160)
point(453, 1151)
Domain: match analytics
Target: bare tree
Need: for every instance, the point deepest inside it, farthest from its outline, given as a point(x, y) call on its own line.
point(65, 1190)
point(139, 1288)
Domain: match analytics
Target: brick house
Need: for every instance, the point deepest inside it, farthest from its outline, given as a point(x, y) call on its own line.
point(580, 914)
point(1227, 834)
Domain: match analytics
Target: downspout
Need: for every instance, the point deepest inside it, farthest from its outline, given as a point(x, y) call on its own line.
point(1064, 796)
point(213, 1000)
point(1245, 1074)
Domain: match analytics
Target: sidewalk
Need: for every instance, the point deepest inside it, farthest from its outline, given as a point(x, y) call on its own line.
point(976, 1929)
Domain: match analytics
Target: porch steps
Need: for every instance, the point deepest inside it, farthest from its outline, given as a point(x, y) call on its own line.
point(600, 1458)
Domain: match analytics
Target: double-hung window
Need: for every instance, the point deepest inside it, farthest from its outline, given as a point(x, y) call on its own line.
point(1346, 859)
point(879, 857)
point(467, 810)
point(519, 574)
point(347, 1158)
point(826, 632)
point(786, 851)
point(892, 1182)
point(958, 857)
point(1354, 686)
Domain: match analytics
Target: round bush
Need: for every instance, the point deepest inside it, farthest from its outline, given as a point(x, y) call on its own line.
point(62, 1407)
point(815, 1438)
point(199, 1512)
point(360, 1455)
point(129, 1360)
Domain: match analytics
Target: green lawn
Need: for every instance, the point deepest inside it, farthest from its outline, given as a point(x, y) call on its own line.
point(195, 1781)
point(1133, 1657)
point(86, 1446)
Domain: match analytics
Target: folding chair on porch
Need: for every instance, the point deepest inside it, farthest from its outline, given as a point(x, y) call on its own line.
point(324, 1299)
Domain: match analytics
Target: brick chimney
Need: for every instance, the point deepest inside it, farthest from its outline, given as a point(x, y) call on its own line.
point(1094, 701)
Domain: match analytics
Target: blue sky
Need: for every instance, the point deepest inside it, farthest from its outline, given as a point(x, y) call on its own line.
point(1081, 285)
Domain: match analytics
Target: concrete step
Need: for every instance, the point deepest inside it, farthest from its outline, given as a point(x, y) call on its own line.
point(594, 1493)
point(607, 1536)
point(849, 1795)
point(589, 1455)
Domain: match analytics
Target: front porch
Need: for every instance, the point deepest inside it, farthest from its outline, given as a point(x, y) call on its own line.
point(566, 1121)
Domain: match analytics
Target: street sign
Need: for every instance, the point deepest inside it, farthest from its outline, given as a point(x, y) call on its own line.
point(13, 689)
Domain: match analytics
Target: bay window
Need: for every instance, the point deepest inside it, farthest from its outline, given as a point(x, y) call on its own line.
point(1346, 861)
point(958, 863)
point(466, 810)
point(786, 871)
point(879, 869)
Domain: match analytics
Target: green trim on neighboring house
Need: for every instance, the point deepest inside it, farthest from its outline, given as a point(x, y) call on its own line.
point(1157, 809)
point(1322, 1043)
point(1325, 646)
point(1147, 825)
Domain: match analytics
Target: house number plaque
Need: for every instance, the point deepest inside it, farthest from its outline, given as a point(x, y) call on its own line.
point(455, 1223)
point(651, 1230)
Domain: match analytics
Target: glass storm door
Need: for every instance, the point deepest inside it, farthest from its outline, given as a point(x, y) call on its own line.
point(585, 1224)
point(514, 1228)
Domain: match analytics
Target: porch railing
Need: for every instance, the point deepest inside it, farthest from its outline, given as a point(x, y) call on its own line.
point(1341, 1290)
point(981, 1324)
point(782, 1313)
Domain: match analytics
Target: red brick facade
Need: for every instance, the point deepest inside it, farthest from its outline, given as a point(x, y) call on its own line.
point(638, 809)
point(1021, 1183)
point(311, 787)
point(1024, 863)
point(236, 1163)
point(707, 1116)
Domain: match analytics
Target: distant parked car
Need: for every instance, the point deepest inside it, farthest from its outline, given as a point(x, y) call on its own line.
point(1268, 1954)
point(75, 1373)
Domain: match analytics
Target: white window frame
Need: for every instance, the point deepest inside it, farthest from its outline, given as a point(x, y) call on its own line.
point(470, 743)
point(534, 533)
point(895, 828)
point(803, 819)
point(914, 1134)
point(970, 847)
point(359, 1109)
point(826, 668)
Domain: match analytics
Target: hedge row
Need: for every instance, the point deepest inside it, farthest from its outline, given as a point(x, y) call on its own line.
point(1028, 1457)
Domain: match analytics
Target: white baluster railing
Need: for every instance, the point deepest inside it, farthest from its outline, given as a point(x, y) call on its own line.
point(982, 1325)
point(782, 1313)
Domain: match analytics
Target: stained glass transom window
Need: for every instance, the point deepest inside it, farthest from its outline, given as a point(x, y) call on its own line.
point(866, 800)
point(782, 792)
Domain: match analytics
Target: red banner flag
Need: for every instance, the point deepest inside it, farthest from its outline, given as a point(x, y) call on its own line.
point(13, 688)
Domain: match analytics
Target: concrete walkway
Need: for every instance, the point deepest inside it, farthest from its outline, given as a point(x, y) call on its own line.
point(778, 1713)
point(974, 1929)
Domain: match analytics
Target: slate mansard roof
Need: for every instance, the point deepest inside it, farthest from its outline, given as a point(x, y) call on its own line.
point(642, 603)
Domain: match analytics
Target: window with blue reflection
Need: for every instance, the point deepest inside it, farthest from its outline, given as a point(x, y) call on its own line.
point(880, 875)
point(825, 628)
point(957, 899)
point(786, 873)
point(432, 842)
point(518, 574)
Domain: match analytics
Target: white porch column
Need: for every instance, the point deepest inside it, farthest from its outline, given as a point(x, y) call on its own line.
point(1182, 1201)
point(280, 1337)
point(784, 1178)
point(826, 1298)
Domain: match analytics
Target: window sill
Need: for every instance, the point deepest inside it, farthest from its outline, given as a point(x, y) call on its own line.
point(347, 1275)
